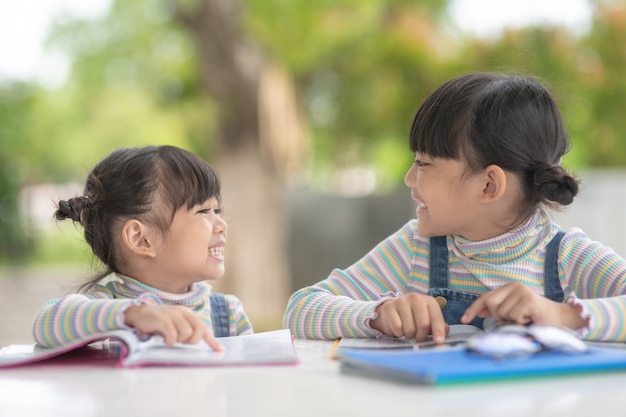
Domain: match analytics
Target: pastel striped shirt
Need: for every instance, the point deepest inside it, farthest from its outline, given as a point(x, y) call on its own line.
point(71, 318)
point(591, 275)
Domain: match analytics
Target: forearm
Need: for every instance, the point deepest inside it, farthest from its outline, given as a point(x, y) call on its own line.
point(315, 314)
point(343, 304)
point(71, 318)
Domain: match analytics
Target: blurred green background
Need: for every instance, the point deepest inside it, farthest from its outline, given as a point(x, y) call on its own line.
point(281, 96)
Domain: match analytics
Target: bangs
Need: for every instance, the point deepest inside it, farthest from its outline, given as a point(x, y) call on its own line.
point(441, 127)
point(436, 131)
point(186, 179)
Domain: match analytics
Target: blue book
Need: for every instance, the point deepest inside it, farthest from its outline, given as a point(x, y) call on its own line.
point(458, 365)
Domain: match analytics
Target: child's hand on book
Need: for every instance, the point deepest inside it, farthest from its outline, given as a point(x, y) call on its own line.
point(175, 324)
point(414, 316)
point(518, 304)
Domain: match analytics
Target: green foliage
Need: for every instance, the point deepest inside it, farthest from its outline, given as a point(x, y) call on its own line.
point(64, 245)
point(14, 127)
point(133, 83)
point(361, 67)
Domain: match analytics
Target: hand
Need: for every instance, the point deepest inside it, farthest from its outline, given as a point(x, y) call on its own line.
point(517, 303)
point(173, 323)
point(413, 316)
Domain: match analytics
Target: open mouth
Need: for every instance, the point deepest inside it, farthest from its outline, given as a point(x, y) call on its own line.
point(216, 250)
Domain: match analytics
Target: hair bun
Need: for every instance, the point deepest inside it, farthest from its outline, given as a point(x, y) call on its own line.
point(555, 184)
point(72, 208)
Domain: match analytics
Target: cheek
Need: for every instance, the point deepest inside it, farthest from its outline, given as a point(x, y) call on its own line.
point(421, 182)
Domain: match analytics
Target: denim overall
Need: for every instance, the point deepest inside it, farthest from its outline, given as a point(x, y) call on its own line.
point(219, 315)
point(454, 303)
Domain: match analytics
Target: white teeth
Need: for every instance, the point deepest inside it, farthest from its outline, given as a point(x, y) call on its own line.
point(216, 251)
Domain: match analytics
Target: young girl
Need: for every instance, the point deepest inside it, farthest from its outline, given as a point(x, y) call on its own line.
point(487, 151)
point(152, 216)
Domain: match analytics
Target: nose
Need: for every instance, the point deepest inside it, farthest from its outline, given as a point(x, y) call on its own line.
point(221, 226)
point(409, 178)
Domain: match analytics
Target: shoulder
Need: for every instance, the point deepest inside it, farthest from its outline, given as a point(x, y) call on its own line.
point(576, 243)
point(105, 288)
point(239, 318)
point(231, 302)
point(408, 235)
point(234, 304)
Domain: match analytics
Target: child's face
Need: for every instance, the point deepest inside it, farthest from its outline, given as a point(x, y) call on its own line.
point(447, 199)
point(192, 249)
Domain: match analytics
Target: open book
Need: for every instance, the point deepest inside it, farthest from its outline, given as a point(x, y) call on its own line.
point(458, 336)
point(266, 348)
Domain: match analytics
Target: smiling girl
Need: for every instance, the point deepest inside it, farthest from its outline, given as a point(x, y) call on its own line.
point(152, 216)
point(487, 151)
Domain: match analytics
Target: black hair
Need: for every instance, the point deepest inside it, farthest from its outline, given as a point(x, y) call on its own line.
point(148, 183)
point(496, 119)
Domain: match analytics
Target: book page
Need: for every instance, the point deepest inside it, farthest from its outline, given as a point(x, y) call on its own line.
point(273, 347)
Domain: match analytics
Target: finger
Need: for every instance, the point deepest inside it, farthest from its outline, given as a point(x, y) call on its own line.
point(392, 321)
point(183, 329)
point(519, 309)
point(473, 310)
point(211, 340)
point(506, 303)
point(407, 320)
point(438, 326)
point(198, 333)
point(506, 309)
point(167, 330)
point(479, 308)
point(423, 319)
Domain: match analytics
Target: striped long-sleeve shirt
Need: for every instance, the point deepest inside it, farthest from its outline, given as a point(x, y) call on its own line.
point(591, 275)
point(73, 317)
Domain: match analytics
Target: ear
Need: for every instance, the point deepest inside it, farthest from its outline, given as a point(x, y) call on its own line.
point(494, 183)
point(137, 238)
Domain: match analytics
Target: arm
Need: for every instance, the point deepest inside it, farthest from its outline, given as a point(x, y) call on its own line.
point(76, 316)
point(595, 277)
point(73, 317)
point(596, 307)
point(345, 302)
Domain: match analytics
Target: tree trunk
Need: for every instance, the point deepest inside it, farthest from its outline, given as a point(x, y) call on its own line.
point(251, 161)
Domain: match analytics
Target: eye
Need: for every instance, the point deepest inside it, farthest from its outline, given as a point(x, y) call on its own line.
point(420, 163)
point(217, 211)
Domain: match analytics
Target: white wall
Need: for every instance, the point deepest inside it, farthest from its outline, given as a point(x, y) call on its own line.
point(329, 231)
point(600, 208)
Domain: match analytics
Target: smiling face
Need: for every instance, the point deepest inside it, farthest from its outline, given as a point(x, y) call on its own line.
point(447, 198)
point(192, 249)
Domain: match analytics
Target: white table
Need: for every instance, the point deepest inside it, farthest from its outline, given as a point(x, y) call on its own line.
point(315, 387)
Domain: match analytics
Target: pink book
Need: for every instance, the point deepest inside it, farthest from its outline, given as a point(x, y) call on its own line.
point(127, 350)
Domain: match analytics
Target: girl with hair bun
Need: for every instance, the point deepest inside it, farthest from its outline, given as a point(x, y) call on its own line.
point(152, 216)
point(487, 170)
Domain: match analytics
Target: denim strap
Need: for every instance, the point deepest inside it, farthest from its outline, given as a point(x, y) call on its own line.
point(438, 260)
point(551, 283)
point(219, 315)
